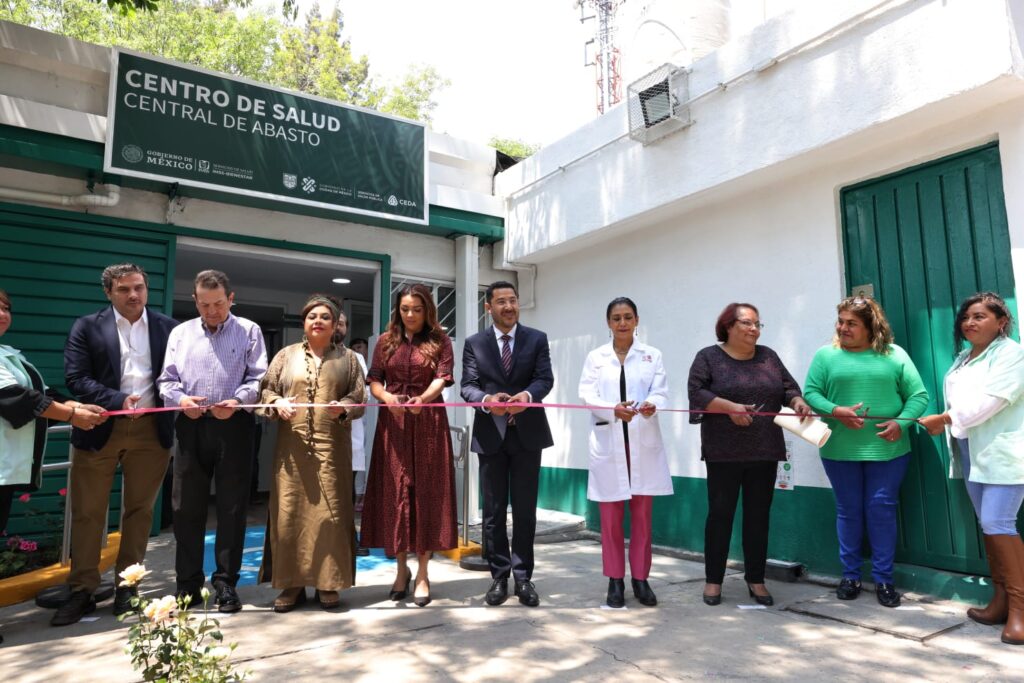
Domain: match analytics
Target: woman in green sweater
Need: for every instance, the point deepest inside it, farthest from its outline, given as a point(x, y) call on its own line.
point(860, 373)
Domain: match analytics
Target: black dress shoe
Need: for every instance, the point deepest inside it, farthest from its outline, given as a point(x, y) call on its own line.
point(527, 593)
point(616, 593)
point(78, 605)
point(848, 589)
point(887, 595)
point(766, 600)
point(643, 593)
point(123, 599)
point(497, 593)
point(227, 598)
point(712, 600)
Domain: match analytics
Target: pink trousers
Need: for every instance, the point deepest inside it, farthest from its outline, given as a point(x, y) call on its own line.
point(613, 552)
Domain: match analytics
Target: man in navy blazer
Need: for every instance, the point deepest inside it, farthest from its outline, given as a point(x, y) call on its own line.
point(508, 363)
point(112, 358)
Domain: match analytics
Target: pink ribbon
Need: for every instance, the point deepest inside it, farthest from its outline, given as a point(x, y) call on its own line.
point(568, 406)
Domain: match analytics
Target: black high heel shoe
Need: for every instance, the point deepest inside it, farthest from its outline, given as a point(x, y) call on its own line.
point(397, 596)
point(766, 600)
point(423, 600)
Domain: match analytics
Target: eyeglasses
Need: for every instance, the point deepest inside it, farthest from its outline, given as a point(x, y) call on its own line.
point(750, 324)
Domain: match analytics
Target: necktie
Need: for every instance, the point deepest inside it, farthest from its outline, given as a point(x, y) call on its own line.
point(506, 353)
point(506, 362)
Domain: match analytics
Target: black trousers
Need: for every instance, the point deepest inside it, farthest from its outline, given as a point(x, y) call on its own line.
point(756, 479)
point(6, 500)
point(511, 473)
point(221, 451)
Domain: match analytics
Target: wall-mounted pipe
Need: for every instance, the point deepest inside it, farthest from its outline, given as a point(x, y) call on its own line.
point(110, 198)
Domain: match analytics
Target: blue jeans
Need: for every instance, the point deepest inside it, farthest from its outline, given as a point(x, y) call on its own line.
point(995, 504)
point(867, 493)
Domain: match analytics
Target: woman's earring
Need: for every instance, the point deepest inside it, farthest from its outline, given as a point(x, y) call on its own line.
point(609, 333)
point(636, 332)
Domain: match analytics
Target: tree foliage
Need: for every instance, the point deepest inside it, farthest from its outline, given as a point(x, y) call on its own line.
point(126, 6)
point(314, 57)
point(413, 97)
point(512, 147)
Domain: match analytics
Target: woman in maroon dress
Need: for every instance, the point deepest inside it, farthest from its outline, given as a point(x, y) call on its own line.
point(410, 490)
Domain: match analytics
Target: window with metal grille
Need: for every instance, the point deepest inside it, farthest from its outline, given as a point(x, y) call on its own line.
point(444, 297)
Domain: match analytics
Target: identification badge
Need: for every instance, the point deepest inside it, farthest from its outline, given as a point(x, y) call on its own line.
point(784, 476)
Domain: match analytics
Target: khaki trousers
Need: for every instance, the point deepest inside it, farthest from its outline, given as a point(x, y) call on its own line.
point(135, 446)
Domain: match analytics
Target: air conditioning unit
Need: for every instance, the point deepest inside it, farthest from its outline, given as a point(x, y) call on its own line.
point(658, 103)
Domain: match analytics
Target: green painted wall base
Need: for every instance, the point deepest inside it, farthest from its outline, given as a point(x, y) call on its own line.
point(802, 530)
point(943, 584)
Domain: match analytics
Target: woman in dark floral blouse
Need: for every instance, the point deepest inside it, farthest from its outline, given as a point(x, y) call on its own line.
point(741, 451)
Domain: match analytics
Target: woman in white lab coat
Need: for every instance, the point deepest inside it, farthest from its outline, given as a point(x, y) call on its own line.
point(624, 384)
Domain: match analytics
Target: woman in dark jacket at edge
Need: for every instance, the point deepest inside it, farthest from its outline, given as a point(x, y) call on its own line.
point(26, 404)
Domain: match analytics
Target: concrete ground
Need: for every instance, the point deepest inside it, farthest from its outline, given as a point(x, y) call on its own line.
point(807, 635)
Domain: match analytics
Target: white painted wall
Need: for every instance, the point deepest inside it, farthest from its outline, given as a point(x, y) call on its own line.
point(775, 244)
point(875, 68)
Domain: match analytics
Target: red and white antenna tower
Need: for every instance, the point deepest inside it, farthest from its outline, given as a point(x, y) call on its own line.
point(606, 57)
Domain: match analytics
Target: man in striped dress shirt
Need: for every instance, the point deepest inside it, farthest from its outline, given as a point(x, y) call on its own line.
point(213, 364)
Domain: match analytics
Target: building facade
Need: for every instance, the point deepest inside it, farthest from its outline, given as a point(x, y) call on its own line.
point(62, 219)
point(836, 147)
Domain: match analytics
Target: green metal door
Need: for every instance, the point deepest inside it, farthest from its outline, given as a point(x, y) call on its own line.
point(925, 239)
point(50, 264)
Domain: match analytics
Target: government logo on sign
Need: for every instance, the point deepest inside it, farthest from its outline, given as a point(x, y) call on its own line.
point(204, 166)
point(132, 153)
point(290, 180)
point(308, 185)
point(392, 200)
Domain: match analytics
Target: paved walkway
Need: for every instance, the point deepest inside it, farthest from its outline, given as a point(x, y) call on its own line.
point(571, 637)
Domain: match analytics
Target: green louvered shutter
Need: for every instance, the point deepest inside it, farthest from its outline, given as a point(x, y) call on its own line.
point(50, 264)
point(925, 239)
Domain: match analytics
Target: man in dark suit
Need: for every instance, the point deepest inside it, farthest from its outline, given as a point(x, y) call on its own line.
point(508, 363)
point(112, 358)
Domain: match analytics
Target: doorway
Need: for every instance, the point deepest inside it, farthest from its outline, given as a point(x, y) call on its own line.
point(271, 285)
point(923, 240)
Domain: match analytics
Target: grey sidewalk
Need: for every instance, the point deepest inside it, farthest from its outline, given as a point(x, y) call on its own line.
point(570, 637)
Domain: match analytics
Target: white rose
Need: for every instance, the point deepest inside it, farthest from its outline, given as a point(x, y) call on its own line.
point(132, 575)
point(161, 610)
point(219, 653)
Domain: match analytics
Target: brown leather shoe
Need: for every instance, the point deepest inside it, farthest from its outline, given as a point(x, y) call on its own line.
point(1010, 550)
point(328, 599)
point(289, 599)
point(998, 607)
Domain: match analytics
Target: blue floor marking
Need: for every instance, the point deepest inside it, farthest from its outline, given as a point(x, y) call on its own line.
point(253, 556)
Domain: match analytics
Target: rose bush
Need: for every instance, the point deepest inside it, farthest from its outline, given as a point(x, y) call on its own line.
point(168, 644)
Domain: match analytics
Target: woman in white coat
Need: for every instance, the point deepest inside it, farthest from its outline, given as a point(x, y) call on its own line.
point(624, 384)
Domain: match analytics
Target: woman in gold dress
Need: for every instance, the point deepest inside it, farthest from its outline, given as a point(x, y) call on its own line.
point(311, 532)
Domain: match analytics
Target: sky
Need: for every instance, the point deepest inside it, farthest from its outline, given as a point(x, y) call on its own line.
point(515, 66)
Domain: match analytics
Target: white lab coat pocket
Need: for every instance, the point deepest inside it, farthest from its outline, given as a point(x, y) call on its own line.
point(650, 431)
point(602, 440)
